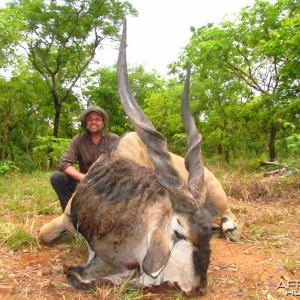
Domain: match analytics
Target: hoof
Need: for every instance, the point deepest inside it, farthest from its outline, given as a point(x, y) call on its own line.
point(230, 230)
point(77, 281)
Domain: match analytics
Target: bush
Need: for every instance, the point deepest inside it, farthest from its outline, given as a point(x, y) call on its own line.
point(293, 143)
point(178, 143)
point(7, 166)
point(49, 150)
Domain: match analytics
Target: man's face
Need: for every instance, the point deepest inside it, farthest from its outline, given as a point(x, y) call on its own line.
point(94, 122)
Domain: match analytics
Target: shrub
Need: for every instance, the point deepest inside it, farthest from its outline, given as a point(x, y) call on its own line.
point(7, 166)
point(49, 150)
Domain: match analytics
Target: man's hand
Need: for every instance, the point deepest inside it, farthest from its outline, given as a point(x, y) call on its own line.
point(72, 172)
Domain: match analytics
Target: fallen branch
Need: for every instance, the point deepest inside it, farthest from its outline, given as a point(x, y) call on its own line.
point(276, 172)
point(283, 168)
point(272, 163)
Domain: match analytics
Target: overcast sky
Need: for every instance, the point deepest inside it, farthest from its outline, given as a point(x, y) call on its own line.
point(162, 28)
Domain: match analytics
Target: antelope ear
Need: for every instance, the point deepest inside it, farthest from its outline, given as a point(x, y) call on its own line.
point(158, 253)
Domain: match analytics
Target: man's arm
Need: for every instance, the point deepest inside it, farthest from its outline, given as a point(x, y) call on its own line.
point(72, 172)
point(69, 158)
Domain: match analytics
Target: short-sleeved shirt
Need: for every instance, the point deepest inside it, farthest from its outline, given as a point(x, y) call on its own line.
point(82, 150)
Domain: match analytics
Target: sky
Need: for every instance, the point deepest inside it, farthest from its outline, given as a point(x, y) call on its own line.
point(162, 29)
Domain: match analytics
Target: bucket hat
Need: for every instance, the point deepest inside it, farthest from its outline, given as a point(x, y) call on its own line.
point(97, 109)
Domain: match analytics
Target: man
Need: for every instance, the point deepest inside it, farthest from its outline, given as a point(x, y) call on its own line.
point(84, 148)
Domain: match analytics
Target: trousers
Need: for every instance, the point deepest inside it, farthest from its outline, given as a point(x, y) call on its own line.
point(64, 186)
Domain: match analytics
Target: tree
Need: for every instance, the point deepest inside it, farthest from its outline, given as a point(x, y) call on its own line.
point(253, 51)
point(62, 38)
point(23, 114)
point(101, 89)
point(11, 26)
point(220, 108)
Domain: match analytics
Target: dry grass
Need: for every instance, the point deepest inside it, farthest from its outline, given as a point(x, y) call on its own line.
point(267, 209)
point(256, 187)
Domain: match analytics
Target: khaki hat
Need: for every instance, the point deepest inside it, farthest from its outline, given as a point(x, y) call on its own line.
point(97, 109)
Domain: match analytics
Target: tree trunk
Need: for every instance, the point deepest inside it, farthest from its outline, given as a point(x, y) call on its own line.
point(272, 150)
point(1, 146)
point(56, 118)
point(219, 150)
point(55, 131)
point(4, 140)
point(11, 151)
point(227, 156)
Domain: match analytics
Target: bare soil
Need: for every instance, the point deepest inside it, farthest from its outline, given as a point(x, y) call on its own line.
point(267, 256)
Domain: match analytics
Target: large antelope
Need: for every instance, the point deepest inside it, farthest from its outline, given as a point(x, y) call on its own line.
point(143, 209)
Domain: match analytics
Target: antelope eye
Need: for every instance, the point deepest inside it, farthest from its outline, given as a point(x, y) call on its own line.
point(179, 236)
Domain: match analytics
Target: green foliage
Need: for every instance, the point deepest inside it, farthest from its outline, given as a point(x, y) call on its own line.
point(11, 25)
point(293, 142)
point(245, 82)
point(102, 90)
point(64, 38)
point(292, 155)
point(244, 88)
point(177, 144)
point(163, 109)
point(23, 114)
point(49, 148)
point(7, 166)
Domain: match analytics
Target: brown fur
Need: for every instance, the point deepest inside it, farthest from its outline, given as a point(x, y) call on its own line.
point(131, 147)
point(109, 186)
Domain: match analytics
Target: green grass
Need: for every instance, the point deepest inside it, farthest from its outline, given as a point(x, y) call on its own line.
point(79, 242)
point(22, 197)
point(127, 292)
point(27, 193)
point(290, 264)
point(16, 236)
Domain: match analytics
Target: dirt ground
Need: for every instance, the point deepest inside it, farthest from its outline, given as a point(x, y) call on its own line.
point(266, 257)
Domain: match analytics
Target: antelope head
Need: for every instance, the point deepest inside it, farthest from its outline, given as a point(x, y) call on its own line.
point(190, 225)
